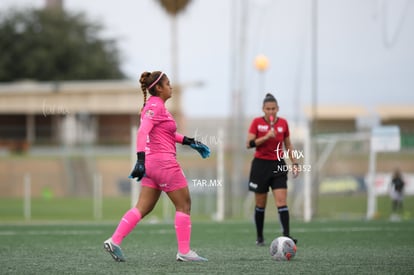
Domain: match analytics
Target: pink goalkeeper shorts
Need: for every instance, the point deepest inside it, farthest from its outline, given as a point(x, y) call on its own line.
point(165, 175)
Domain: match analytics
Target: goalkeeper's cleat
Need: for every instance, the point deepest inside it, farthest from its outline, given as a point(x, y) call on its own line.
point(191, 256)
point(114, 250)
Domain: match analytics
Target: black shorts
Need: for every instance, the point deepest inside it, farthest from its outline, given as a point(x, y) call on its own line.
point(265, 174)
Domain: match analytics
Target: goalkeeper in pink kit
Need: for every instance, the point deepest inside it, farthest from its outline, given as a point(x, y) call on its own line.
point(158, 170)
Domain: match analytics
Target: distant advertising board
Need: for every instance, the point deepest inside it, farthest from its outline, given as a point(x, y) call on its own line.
point(385, 139)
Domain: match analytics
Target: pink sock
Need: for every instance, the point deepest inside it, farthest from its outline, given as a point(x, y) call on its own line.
point(125, 226)
point(183, 231)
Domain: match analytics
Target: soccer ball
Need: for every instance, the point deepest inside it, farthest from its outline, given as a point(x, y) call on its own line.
point(282, 249)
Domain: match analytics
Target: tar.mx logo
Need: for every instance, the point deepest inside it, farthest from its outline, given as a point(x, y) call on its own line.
point(207, 139)
point(52, 109)
point(281, 154)
point(207, 183)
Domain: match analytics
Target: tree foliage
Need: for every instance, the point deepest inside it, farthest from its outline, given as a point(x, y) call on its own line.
point(174, 7)
point(54, 45)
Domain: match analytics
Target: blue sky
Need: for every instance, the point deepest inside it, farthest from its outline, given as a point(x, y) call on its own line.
point(365, 50)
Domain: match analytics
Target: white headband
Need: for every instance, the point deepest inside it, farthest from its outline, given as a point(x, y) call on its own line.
point(156, 81)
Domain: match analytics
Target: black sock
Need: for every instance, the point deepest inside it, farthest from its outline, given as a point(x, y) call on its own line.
point(259, 214)
point(284, 219)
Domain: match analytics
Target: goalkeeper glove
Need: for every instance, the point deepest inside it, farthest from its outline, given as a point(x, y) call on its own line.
point(201, 148)
point(139, 169)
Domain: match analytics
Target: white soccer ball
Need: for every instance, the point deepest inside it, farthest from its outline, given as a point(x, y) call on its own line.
point(282, 249)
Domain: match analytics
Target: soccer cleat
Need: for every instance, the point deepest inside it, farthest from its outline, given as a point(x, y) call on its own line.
point(260, 242)
point(191, 256)
point(114, 250)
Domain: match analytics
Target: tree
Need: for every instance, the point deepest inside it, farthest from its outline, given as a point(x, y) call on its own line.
point(173, 8)
point(54, 45)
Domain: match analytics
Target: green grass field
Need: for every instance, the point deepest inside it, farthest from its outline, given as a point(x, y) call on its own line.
point(62, 237)
point(336, 247)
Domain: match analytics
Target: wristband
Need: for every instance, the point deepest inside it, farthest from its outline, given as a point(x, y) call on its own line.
point(252, 143)
point(141, 157)
point(188, 141)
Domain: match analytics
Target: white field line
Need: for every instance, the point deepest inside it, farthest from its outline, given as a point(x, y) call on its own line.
point(324, 229)
point(350, 229)
point(172, 231)
point(50, 232)
point(73, 232)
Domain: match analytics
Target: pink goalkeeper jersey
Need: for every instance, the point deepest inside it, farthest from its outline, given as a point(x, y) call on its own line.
point(157, 132)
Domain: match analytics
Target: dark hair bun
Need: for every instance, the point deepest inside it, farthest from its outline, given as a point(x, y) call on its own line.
point(269, 98)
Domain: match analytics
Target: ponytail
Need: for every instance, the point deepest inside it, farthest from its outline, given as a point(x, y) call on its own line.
point(148, 82)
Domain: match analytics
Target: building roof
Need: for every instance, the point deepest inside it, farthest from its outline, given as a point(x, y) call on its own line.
point(395, 111)
point(336, 112)
point(94, 97)
point(122, 96)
